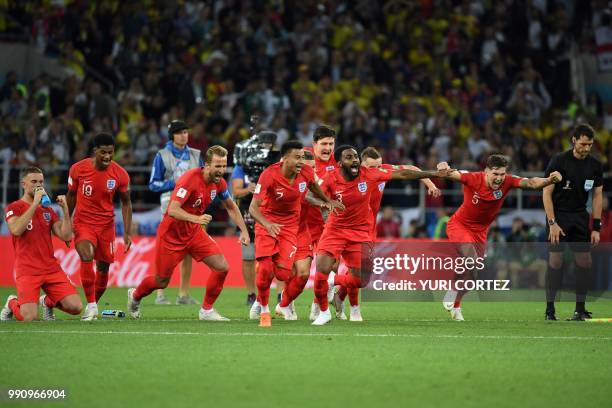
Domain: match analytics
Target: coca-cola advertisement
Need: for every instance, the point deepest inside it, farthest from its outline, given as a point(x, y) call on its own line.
point(129, 268)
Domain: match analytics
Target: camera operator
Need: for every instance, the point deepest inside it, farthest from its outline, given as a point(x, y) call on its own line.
point(251, 157)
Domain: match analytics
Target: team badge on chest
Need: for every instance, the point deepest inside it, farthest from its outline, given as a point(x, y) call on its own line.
point(497, 194)
point(47, 216)
point(213, 194)
point(302, 186)
point(362, 187)
point(110, 184)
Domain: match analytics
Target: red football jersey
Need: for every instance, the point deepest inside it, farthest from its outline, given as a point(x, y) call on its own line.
point(95, 191)
point(377, 193)
point(355, 195)
point(194, 194)
point(282, 201)
point(481, 203)
point(34, 248)
point(314, 217)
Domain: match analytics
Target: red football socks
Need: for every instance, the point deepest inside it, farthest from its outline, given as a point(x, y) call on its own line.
point(14, 306)
point(320, 289)
point(263, 279)
point(101, 282)
point(88, 281)
point(342, 292)
point(146, 287)
point(293, 289)
point(214, 286)
point(353, 295)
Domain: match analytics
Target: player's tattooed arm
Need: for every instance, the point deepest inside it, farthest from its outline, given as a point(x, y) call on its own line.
point(234, 213)
point(126, 212)
point(432, 189)
point(538, 183)
point(407, 174)
point(63, 228)
point(272, 228)
point(453, 174)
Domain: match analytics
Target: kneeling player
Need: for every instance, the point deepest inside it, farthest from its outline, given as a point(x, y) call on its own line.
point(182, 232)
point(36, 267)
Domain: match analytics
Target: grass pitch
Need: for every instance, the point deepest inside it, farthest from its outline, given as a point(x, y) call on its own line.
point(404, 354)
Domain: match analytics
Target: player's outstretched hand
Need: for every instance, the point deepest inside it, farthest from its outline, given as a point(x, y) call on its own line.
point(204, 219)
point(595, 237)
point(273, 229)
point(445, 172)
point(442, 166)
point(555, 177)
point(554, 233)
point(127, 243)
point(251, 187)
point(244, 238)
point(434, 191)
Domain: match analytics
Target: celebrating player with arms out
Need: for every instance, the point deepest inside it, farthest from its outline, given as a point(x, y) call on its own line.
point(36, 267)
point(346, 232)
point(483, 195)
point(181, 232)
point(371, 158)
point(276, 208)
point(92, 185)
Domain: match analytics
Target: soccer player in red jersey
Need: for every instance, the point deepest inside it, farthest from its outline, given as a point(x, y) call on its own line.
point(345, 233)
point(181, 232)
point(92, 185)
point(276, 206)
point(324, 141)
point(483, 195)
point(371, 158)
point(304, 253)
point(36, 267)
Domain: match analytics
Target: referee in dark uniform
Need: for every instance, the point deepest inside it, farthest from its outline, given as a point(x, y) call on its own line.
point(568, 219)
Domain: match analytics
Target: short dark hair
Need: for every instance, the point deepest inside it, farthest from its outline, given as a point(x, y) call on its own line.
point(323, 131)
point(308, 155)
point(290, 145)
point(340, 149)
point(583, 129)
point(30, 170)
point(496, 161)
point(103, 139)
point(370, 153)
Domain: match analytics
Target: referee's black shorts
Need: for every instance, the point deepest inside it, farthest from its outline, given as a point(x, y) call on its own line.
point(575, 225)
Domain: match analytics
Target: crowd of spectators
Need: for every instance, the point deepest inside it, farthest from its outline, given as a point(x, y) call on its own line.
point(424, 81)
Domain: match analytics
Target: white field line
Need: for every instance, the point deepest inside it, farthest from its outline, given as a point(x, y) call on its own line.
point(262, 334)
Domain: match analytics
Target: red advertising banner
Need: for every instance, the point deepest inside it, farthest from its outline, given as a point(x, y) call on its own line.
point(130, 268)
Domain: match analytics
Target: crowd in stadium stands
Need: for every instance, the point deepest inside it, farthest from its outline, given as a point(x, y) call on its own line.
point(424, 81)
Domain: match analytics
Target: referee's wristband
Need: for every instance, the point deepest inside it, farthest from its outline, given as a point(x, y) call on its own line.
point(596, 224)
